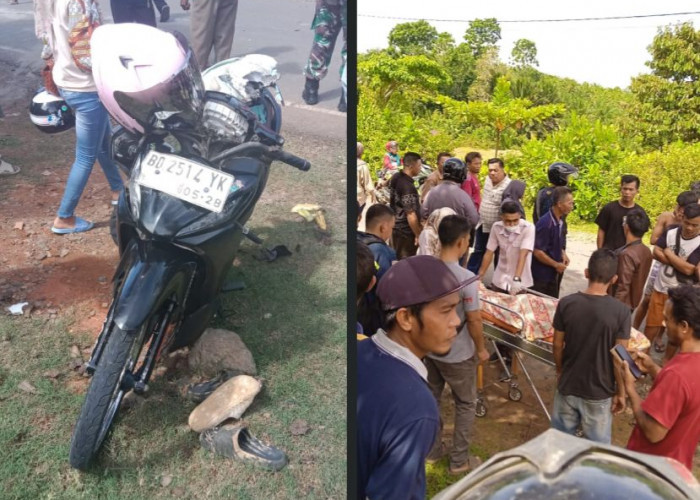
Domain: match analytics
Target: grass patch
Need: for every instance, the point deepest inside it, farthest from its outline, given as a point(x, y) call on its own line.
point(580, 226)
point(438, 477)
point(292, 317)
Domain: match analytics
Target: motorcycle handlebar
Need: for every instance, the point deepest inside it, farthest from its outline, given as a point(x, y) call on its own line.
point(292, 160)
point(261, 149)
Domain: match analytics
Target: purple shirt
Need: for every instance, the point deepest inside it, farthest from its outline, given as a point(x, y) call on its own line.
point(550, 237)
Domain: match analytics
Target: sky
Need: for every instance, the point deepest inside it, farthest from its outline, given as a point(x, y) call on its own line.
point(608, 52)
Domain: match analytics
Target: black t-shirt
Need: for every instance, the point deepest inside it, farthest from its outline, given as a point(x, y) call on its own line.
point(591, 325)
point(610, 220)
point(403, 198)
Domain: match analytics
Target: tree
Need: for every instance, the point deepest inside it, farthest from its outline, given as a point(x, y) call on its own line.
point(488, 69)
point(459, 63)
point(482, 34)
point(524, 53)
point(408, 75)
point(503, 112)
point(413, 38)
point(668, 100)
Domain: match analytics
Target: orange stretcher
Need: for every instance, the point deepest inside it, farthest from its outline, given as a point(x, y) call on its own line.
point(505, 325)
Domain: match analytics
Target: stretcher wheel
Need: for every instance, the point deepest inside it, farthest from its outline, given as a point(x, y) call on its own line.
point(515, 394)
point(480, 408)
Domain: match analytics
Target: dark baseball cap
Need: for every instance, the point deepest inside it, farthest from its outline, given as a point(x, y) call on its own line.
point(417, 280)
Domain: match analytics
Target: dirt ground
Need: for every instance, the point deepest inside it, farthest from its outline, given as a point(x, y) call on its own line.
point(51, 272)
point(509, 423)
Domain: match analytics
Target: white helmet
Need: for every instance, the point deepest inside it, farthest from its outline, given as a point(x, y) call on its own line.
point(49, 113)
point(147, 78)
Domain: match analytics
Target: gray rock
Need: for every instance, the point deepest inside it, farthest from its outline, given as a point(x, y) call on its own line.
point(218, 350)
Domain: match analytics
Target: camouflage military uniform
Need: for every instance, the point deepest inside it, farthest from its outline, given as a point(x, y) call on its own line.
point(330, 17)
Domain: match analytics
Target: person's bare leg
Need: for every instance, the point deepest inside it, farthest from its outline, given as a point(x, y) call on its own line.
point(641, 312)
point(659, 340)
point(651, 333)
point(64, 222)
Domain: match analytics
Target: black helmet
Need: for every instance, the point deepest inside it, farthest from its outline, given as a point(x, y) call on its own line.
point(559, 172)
point(454, 170)
point(558, 465)
point(50, 113)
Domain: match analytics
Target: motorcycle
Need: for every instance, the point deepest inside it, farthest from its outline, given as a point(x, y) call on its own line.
point(198, 161)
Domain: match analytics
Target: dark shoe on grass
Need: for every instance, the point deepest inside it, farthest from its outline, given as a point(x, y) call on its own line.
point(201, 391)
point(465, 468)
point(165, 14)
point(236, 442)
point(436, 455)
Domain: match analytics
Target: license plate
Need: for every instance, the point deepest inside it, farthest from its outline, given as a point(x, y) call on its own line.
point(186, 179)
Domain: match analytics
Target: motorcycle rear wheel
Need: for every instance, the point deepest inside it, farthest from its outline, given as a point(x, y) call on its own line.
point(104, 396)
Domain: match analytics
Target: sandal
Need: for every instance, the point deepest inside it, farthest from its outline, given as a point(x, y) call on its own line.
point(237, 443)
point(202, 390)
point(81, 225)
point(230, 400)
point(659, 345)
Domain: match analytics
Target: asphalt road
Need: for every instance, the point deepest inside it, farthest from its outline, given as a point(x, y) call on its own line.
point(278, 28)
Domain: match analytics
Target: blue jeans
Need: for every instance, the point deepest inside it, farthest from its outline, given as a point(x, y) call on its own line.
point(480, 241)
point(92, 131)
point(594, 416)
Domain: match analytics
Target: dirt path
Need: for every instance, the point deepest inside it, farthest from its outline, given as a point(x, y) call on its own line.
point(53, 273)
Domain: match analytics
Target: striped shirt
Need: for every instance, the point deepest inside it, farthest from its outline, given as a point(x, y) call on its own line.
point(490, 209)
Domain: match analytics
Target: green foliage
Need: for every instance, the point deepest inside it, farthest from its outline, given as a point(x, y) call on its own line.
point(664, 174)
point(376, 126)
point(503, 112)
point(589, 145)
point(488, 69)
point(668, 100)
point(444, 95)
point(412, 74)
point(482, 34)
point(524, 53)
point(675, 53)
point(460, 64)
point(413, 38)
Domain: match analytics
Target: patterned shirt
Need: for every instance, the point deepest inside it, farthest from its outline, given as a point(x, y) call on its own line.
point(490, 209)
point(403, 199)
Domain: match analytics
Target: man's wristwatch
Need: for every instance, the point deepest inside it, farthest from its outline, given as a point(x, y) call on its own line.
point(516, 278)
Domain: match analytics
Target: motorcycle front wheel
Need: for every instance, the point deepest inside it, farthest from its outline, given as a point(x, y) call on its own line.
point(104, 396)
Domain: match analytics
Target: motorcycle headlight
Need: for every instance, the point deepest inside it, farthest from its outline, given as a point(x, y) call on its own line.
point(224, 121)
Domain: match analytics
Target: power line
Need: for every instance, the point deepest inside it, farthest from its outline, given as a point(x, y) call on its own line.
point(641, 16)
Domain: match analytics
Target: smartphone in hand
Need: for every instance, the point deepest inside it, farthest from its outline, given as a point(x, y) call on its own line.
point(623, 355)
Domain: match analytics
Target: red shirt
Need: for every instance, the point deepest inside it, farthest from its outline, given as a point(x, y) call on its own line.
point(674, 402)
point(472, 187)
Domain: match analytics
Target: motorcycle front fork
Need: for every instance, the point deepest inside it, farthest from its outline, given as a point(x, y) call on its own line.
point(137, 381)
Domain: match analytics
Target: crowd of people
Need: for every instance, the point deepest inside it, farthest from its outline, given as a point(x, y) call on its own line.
point(420, 326)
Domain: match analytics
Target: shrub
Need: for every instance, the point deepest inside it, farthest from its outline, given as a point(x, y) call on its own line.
point(664, 174)
point(590, 146)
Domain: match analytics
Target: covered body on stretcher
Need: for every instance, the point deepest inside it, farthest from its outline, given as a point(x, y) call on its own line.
point(530, 316)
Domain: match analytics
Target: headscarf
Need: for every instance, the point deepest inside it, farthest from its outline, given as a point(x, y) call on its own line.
point(429, 241)
point(514, 192)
